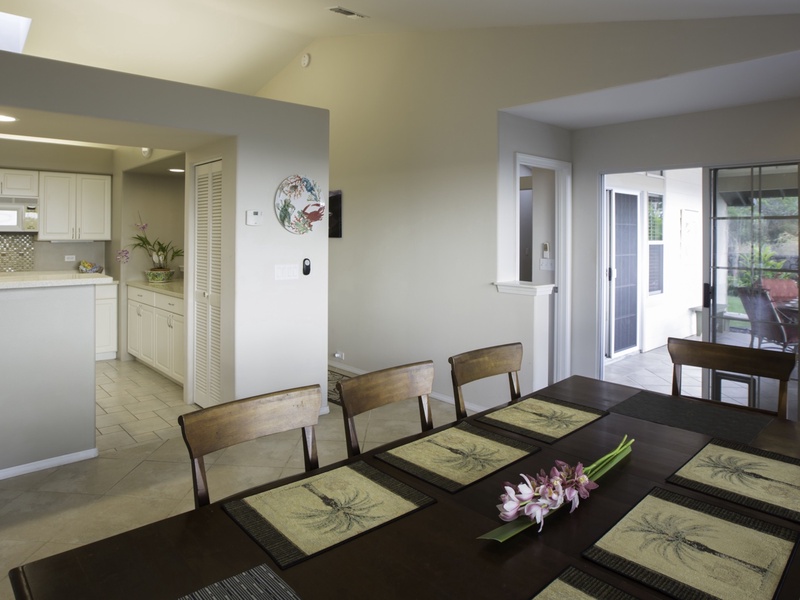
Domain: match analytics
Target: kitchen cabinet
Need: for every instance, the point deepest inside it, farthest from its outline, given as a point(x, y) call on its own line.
point(74, 206)
point(105, 316)
point(141, 325)
point(19, 184)
point(157, 331)
point(170, 331)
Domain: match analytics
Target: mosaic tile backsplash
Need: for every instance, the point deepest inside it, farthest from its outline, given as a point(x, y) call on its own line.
point(16, 252)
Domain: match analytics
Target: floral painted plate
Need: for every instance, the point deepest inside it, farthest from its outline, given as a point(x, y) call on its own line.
point(298, 205)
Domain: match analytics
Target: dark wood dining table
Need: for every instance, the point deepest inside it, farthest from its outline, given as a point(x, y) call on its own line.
point(429, 553)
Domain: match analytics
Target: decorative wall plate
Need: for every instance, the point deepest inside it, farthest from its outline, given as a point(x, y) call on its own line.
point(298, 204)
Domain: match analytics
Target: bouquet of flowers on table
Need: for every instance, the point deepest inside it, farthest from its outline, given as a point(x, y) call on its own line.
point(539, 495)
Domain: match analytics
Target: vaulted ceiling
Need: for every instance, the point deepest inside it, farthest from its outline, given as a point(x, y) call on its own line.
point(239, 45)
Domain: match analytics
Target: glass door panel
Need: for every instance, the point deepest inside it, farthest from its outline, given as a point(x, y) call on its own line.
point(754, 270)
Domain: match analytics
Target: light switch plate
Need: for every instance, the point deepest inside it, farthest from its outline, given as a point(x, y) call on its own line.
point(547, 264)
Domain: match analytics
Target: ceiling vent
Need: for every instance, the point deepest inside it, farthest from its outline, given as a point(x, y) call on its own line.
point(347, 13)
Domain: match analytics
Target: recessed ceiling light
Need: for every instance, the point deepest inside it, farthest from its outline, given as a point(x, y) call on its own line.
point(177, 170)
point(7, 119)
point(347, 12)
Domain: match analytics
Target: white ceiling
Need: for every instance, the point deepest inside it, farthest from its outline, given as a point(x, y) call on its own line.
point(238, 45)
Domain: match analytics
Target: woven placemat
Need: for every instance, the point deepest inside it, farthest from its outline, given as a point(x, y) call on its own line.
point(258, 582)
point(689, 549)
point(458, 456)
point(574, 583)
point(755, 478)
point(693, 415)
point(302, 518)
point(544, 419)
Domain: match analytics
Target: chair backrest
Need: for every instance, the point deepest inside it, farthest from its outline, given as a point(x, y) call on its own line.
point(485, 362)
point(733, 359)
point(224, 425)
point(362, 393)
point(780, 290)
point(765, 324)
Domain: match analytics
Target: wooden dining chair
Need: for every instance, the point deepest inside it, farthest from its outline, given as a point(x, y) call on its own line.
point(485, 362)
point(224, 425)
point(754, 362)
point(363, 393)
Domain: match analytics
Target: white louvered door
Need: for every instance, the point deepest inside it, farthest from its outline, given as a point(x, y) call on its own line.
point(208, 284)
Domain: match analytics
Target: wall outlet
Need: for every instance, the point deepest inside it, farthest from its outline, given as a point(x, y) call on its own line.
point(69, 258)
point(338, 354)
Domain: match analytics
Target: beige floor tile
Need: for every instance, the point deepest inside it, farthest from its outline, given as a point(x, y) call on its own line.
point(146, 437)
point(270, 451)
point(137, 452)
point(175, 451)
point(115, 418)
point(153, 479)
point(168, 434)
point(95, 476)
point(38, 516)
point(29, 481)
point(16, 552)
point(225, 480)
point(384, 431)
point(152, 404)
point(145, 426)
point(111, 515)
point(107, 430)
point(114, 440)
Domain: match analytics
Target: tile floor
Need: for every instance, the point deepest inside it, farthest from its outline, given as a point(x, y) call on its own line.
point(142, 472)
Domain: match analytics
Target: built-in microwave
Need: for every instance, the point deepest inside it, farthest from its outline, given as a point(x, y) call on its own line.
point(19, 215)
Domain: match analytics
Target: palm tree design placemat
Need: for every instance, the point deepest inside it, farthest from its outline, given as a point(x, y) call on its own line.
point(458, 456)
point(759, 479)
point(689, 549)
point(299, 519)
point(544, 419)
point(258, 582)
point(578, 585)
point(693, 415)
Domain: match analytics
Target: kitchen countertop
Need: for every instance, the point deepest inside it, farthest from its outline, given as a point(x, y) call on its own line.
point(171, 288)
point(31, 279)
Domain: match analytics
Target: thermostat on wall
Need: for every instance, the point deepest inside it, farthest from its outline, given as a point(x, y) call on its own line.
point(253, 217)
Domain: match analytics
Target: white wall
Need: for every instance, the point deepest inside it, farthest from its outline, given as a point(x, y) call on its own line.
point(763, 133)
point(261, 142)
point(425, 165)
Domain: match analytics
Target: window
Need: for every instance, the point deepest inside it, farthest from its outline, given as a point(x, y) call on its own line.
point(655, 240)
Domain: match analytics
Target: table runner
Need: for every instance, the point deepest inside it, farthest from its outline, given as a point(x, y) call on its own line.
point(701, 417)
point(260, 582)
point(690, 549)
point(458, 456)
point(577, 585)
point(756, 478)
point(544, 419)
point(299, 519)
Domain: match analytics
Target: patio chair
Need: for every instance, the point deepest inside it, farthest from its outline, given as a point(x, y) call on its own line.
point(766, 325)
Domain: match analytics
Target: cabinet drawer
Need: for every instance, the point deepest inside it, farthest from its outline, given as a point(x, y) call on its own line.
point(143, 296)
point(169, 303)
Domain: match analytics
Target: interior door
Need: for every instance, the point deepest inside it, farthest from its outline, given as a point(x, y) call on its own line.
point(623, 273)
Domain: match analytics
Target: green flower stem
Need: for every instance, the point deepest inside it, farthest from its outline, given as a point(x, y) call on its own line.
point(594, 471)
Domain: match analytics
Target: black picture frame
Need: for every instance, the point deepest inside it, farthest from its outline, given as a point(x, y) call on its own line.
point(335, 214)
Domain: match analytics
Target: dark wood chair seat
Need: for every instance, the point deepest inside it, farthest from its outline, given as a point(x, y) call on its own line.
point(485, 362)
point(217, 427)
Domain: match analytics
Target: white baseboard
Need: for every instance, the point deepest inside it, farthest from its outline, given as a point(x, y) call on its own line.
point(48, 463)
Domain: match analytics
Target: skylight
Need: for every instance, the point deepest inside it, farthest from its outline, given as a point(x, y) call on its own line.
point(13, 32)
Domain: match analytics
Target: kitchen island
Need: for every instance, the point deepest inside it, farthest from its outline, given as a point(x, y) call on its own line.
point(47, 363)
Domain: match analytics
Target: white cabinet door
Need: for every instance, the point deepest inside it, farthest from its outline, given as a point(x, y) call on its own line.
point(163, 342)
point(178, 347)
point(105, 317)
point(141, 321)
point(74, 206)
point(19, 184)
point(93, 217)
point(57, 206)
